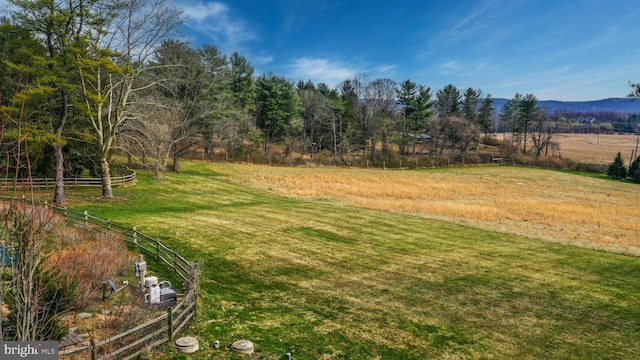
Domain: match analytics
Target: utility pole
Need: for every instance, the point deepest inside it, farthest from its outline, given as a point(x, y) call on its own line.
point(635, 153)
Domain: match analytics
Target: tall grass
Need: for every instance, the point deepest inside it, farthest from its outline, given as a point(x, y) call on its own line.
point(542, 204)
point(313, 274)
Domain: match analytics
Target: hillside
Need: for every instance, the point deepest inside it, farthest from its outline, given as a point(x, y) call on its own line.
point(616, 105)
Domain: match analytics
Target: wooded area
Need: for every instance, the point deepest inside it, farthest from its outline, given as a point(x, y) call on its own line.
point(84, 80)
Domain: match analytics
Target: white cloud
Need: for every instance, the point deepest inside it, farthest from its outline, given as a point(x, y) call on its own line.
point(199, 12)
point(333, 72)
point(450, 68)
point(384, 70)
point(261, 60)
point(473, 23)
point(457, 68)
point(213, 22)
point(322, 70)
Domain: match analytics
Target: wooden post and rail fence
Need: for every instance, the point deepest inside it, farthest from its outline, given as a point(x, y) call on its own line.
point(76, 182)
point(157, 331)
point(152, 333)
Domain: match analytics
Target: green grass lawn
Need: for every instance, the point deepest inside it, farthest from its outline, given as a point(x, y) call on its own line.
point(326, 281)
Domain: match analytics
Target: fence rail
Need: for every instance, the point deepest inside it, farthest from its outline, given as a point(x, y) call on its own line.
point(72, 182)
point(155, 332)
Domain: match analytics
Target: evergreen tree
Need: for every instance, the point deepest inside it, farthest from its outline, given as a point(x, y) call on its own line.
point(527, 112)
point(634, 173)
point(448, 101)
point(616, 169)
point(470, 104)
point(278, 104)
point(242, 84)
point(484, 114)
point(406, 93)
point(62, 29)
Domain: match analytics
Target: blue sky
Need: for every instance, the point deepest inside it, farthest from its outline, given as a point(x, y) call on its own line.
point(556, 50)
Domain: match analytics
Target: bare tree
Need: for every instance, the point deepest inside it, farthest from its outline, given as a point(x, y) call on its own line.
point(380, 98)
point(543, 128)
point(192, 90)
point(26, 232)
point(114, 68)
point(23, 235)
point(318, 119)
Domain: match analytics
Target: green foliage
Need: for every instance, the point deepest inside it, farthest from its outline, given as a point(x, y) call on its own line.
point(633, 168)
point(635, 90)
point(484, 113)
point(278, 104)
point(470, 104)
point(417, 111)
point(242, 83)
point(448, 101)
point(617, 169)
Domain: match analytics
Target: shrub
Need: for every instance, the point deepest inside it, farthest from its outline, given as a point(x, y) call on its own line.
point(89, 263)
point(636, 177)
point(616, 169)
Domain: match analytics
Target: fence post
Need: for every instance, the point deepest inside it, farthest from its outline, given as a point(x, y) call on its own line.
point(66, 213)
point(195, 281)
point(93, 349)
point(175, 262)
point(135, 237)
point(170, 323)
point(86, 217)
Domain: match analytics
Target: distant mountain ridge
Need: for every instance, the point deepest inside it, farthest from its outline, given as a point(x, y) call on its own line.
point(616, 105)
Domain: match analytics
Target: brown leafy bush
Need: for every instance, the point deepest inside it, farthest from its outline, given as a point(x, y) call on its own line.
point(88, 263)
point(69, 235)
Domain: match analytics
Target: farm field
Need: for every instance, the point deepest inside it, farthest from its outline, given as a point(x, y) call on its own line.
point(465, 263)
point(541, 204)
point(594, 148)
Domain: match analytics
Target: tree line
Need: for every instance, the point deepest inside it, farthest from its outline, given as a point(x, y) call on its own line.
point(82, 79)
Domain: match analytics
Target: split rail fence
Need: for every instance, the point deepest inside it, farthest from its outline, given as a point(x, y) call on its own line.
point(162, 329)
point(71, 182)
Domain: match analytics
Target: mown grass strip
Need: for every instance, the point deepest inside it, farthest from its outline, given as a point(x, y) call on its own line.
point(328, 281)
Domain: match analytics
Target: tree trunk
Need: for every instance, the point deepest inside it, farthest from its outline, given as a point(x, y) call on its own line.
point(58, 192)
point(107, 191)
point(176, 162)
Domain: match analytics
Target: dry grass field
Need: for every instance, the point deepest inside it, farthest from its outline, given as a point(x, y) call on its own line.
point(597, 149)
point(553, 206)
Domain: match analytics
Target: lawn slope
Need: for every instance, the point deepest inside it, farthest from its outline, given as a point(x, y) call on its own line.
point(326, 280)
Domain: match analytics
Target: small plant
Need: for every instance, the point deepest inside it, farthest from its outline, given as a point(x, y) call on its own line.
point(616, 169)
